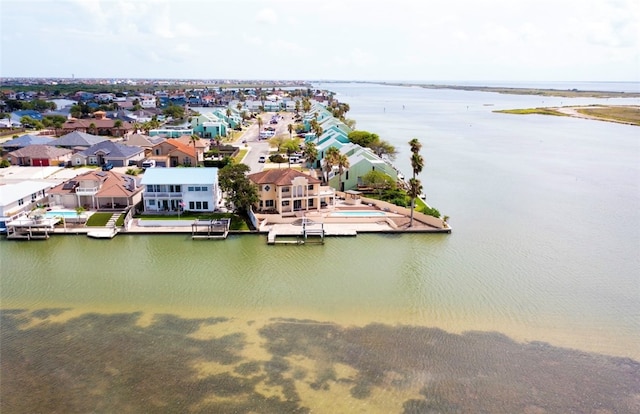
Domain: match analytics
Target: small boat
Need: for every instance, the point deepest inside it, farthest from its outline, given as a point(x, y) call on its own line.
point(423, 196)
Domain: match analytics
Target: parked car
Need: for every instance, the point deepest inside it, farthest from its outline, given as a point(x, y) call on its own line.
point(107, 166)
point(262, 159)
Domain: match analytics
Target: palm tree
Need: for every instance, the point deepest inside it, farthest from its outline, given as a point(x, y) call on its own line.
point(193, 138)
point(415, 188)
point(310, 153)
point(259, 125)
point(342, 161)
point(290, 129)
point(239, 106)
point(330, 157)
point(117, 125)
point(92, 128)
point(417, 164)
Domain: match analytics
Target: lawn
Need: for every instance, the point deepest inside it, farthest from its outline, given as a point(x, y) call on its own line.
point(237, 222)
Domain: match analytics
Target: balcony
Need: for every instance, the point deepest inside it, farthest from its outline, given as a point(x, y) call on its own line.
point(87, 191)
point(161, 195)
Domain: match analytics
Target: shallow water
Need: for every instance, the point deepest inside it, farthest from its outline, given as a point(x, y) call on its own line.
point(544, 249)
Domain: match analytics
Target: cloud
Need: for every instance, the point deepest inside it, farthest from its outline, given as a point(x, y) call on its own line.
point(267, 16)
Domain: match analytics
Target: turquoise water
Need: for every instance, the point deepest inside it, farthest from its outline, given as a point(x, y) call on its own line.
point(357, 214)
point(65, 214)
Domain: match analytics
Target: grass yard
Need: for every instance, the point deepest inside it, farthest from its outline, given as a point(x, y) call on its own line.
point(238, 223)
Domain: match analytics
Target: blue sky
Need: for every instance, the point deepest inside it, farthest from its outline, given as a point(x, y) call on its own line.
point(511, 40)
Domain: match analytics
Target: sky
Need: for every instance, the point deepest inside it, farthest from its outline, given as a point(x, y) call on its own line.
point(404, 40)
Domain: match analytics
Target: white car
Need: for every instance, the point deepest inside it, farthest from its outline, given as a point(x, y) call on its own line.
point(262, 159)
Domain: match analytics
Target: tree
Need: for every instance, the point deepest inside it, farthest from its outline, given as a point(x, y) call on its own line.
point(342, 161)
point(93, 128)
point(383, 148)
point(363, 138)
point(259, 125)
point(330, 157)
point(117, 125)
point(310, 153)
point(239, 189)
point(174, 111)
point(290, 129)
point(239, 106)
point(277, 141)
point(417, 163)
point(290, 146)
point(378, 181)
point(193, 139)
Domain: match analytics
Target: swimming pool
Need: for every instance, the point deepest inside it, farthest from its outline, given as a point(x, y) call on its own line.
point(357, 214)
point(63, 213)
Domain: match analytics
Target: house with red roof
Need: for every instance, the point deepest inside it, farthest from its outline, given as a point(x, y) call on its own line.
point(173, 153)
point(97, 190)
point(285, 191)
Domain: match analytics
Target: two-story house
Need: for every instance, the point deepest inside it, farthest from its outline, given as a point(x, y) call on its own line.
point(176, 189)
point(18, 199)
point(97, 190)
point(285, 191)
point(172, 153)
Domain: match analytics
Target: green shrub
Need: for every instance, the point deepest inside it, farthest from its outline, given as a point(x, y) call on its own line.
point(5, 164)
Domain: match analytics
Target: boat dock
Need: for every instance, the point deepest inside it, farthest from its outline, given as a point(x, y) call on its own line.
point(210, 229)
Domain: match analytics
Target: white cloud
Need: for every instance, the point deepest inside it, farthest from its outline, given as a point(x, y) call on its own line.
point(267, 16)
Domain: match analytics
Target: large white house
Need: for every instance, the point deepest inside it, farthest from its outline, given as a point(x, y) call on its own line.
point(176, 189)
point(19, 199)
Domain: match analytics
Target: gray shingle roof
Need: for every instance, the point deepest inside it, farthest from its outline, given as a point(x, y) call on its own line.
point(78, 139)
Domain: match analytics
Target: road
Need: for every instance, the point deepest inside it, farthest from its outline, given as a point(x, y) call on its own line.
point(258, 147)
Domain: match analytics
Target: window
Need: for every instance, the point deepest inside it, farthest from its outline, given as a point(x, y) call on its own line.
point(310, 187)
point(197, 188)
point(190, 188)
point(205, 205)
point(268, 203)
point(191, 205)
point(34, 196)
point(152, 202)
point(198, 205)
point(267, 188)
point(20, 202)
point(285, 203)
point(310, 202)
point(285, 189)
point(205, 188)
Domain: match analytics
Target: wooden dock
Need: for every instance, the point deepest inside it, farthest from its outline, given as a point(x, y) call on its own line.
point(310, 232)
point(106, 233)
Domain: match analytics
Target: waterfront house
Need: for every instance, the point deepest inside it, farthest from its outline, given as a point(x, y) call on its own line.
point(17, 200)
point(285, 191)
point(175, 189)
point(97, 190)
point(40, 156)
point(105, 152)
point(77, 140)
point(361, 161)
point(173, 153)
point(170, 132)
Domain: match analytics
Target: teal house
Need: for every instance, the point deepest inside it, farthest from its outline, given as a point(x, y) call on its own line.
point(209, 125)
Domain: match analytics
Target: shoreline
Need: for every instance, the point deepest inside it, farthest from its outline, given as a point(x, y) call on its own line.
point(568, 93)
point(627, 115)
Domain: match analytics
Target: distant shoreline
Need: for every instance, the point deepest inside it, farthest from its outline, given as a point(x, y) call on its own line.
point(568, 93)
point(629, 115)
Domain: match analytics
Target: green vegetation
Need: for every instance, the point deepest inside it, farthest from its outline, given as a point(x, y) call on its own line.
point(378, 146)
point(241, 193)
point(240, 156)
point(120, 220)
point(98, 219)
point(529, 111)
point(4, 163)
point(622, 114)
point(238, 223)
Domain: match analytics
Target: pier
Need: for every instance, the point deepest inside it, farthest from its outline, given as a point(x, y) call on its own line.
point(210, 229)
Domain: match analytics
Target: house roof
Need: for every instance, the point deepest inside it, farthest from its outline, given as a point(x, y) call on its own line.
point(280, 177)
point(186, 140)
point(112, 150)
point(139, 140)
point(40, 151)
point(99, 123)
point(189, 150)
point(113, 184)
point(26, 140)
point(78, 139)
point(10, 193)
point(180, 176)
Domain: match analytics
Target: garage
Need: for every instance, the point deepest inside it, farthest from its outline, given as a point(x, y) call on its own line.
point(39, 162)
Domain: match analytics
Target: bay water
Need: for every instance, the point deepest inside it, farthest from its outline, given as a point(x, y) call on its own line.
point(545, 249)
